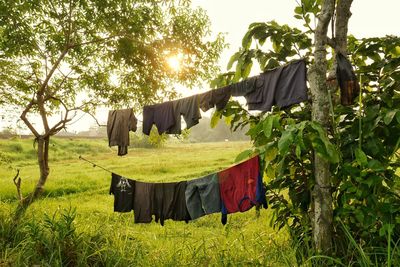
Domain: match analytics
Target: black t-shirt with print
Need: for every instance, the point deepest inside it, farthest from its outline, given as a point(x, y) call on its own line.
point(123, 190)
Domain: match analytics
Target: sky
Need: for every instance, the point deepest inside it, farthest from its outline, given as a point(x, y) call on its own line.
point(232, 17)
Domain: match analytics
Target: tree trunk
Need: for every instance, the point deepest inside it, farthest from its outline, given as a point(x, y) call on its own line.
point(322, 228)
point(43, 162)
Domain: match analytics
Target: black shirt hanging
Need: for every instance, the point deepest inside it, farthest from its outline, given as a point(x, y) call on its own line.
point(349, 86)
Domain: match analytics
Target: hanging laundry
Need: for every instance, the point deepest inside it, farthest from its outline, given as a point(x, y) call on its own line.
point(123, 190)
point(143, 202)
point(203, 196)
point(218, 98)
point(163, 200)
point(169, 202)
point(245, 87)
point(349, 86)
point(189, 108)
point(241, 187)
point(283, 87)
point(119, 123)
point(162, 115)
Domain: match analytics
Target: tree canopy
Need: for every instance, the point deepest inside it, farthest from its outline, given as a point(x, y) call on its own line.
point(112, 52)
point(69, 55)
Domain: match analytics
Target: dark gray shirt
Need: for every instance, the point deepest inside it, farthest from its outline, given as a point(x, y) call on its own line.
point(202, 196)
point(119, 123)
point(162, 115)
point(282, 87)
point(217, 97)
point(189, 108)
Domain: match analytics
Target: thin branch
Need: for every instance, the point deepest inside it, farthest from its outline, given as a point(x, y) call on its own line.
point(95, 41)
point(42, 111)
point(18, 185)
point(95, 119)
point(53, 69)
point(26, 121)
point(69, 32)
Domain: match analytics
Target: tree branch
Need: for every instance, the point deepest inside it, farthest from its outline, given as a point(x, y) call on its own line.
point(95, 41)
point(331, 42)
point(343, 15)
point(42, 111)
point(25, 119)
point(18, 186)
point(53, 69)
point(95, 119)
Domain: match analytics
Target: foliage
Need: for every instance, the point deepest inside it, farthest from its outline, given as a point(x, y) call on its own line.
point(361, 143)
point(128, 40)
point(155, 139)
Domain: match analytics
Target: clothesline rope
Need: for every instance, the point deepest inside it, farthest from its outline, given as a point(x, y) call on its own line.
point(94, 164)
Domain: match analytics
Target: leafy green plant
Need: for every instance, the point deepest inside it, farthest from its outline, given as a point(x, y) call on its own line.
point(361, 143)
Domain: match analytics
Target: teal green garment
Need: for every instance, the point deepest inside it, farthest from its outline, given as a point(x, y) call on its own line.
point(202, 196)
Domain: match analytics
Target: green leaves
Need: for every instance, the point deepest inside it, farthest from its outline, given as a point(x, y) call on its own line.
point(389, 116)
point(361, 157)
point(285, 141)
point(287, 43)
point(216, 116)
point(322, 145)
point(244, 155)
point(269, 123)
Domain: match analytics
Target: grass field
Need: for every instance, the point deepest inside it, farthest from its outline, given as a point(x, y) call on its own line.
point(102, 237)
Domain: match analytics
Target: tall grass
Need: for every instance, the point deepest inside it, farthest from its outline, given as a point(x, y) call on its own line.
point(74, 225)
point(91, 234)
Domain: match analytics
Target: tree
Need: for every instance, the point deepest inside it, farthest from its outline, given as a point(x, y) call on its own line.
point(68, 55)
point(331, 169)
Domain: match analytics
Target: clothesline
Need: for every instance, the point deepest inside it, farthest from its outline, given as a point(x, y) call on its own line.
point(94, 164)
point(282, 87)
point(235, 189)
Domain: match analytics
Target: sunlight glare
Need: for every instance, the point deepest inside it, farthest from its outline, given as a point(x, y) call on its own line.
point(174, 62)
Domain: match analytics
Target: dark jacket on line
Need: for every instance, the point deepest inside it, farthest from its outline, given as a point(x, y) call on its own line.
point(119, 123)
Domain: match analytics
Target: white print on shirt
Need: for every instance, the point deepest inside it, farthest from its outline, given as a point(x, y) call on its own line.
point(123, 185)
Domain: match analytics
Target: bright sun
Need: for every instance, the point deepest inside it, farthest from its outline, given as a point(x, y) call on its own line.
point(174, 62)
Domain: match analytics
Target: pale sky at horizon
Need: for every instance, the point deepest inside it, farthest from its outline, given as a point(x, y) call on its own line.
point(232, 17)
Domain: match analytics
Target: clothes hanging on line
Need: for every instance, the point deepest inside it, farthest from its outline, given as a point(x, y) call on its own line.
point(119, 123)
point(123, 190)
point(348, 83)
point(162, 115)
point(283, 87)
point(236, 189)
point(245, 87)
point(170, 202)
point(217, 97)
point(143, 202)
point(241, 187)
point(202, 196)
point(187, 107)
point(163, 200)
